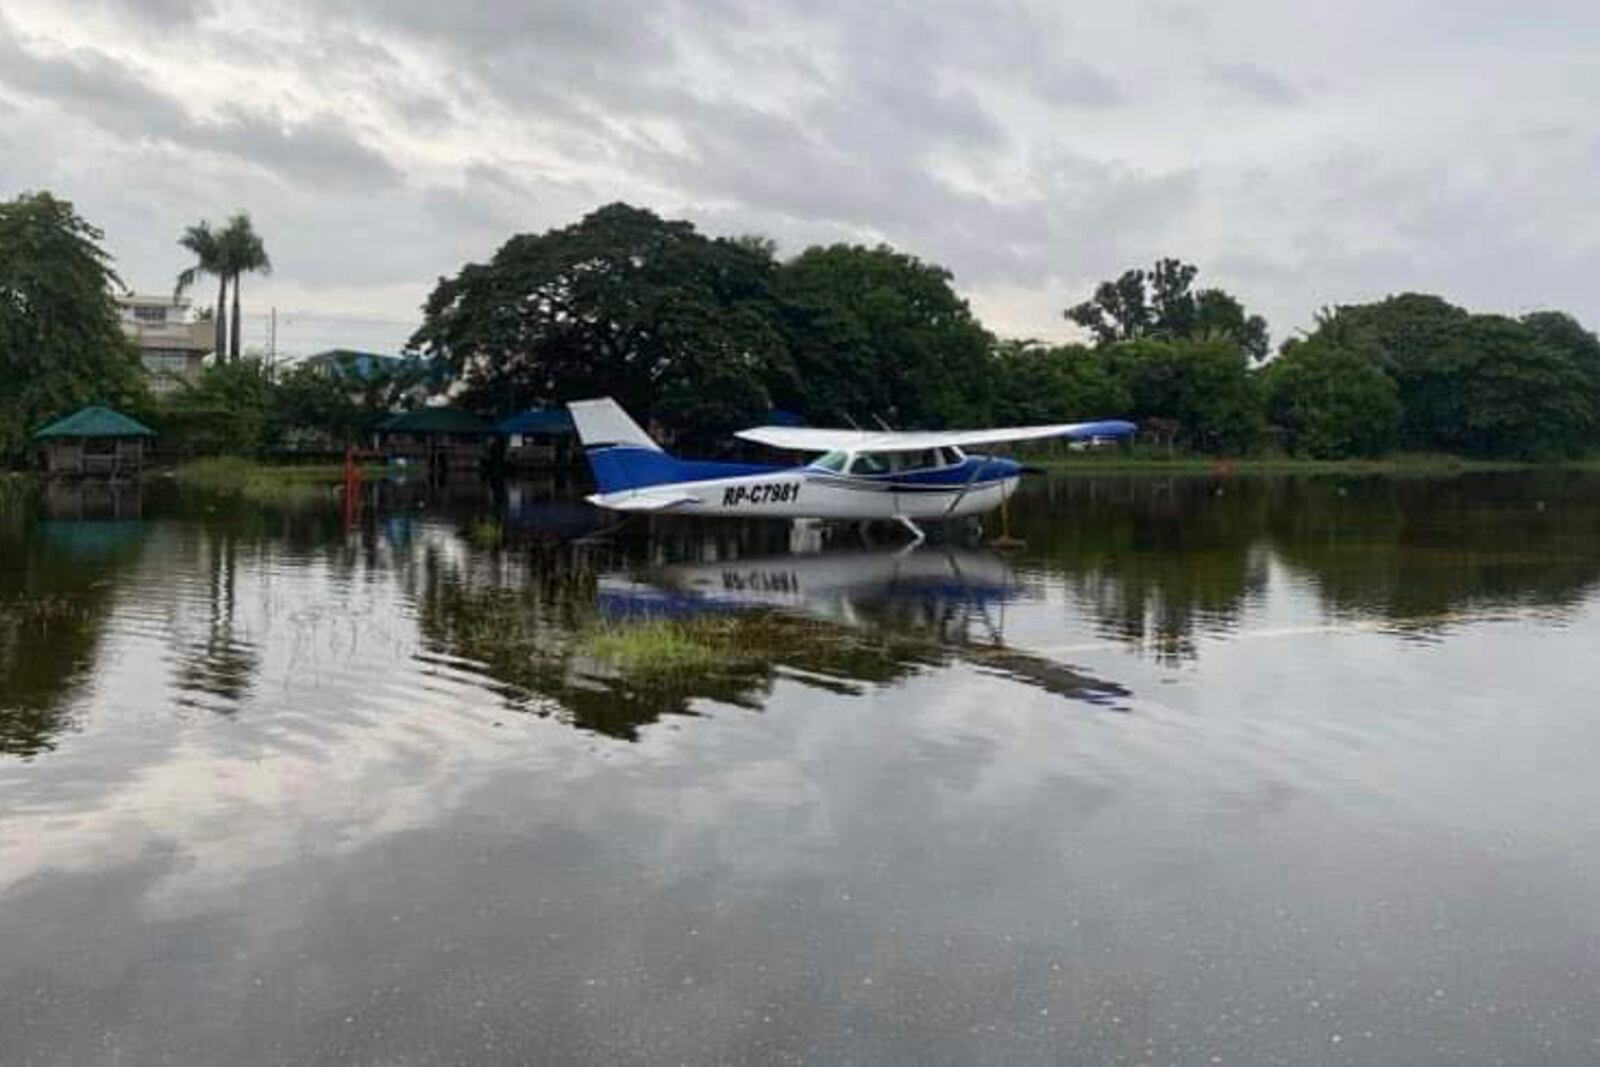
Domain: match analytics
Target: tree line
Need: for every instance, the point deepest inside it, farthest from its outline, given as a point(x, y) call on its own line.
point(707, 334)
point(702, 335)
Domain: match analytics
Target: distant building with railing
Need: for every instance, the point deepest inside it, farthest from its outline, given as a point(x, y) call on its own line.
point(173, 341)
point(349, 365)
point(408, 379)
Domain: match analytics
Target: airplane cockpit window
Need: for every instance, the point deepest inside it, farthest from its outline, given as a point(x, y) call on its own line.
point(870, 463)
point(832, 461)
point(952, 456)
point(927, 459)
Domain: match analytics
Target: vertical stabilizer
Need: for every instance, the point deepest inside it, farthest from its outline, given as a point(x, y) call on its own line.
point(602, 423)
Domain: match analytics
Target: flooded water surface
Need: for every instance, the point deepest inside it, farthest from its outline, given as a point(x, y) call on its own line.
point(1242, 770)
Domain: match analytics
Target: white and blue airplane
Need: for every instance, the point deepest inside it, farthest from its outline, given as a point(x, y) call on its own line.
point(860, 475)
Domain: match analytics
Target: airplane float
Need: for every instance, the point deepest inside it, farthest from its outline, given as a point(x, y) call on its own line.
point(858, 476)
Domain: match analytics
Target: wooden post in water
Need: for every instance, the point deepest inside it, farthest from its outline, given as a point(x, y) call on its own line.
point(1005, 540)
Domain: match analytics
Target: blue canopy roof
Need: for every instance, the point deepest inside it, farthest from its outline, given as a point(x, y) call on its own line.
point(554, 421)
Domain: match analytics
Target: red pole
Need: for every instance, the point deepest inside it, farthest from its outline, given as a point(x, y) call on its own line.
point(352, 488)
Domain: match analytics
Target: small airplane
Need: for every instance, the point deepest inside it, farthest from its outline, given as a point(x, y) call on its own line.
point(859, 476)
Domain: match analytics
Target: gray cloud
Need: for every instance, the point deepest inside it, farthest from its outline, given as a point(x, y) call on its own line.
point(162, 13)
point(1254, 83)
point(323, 150)
point(122, 100)
point(1180, 15)
point(1030, 147)
point(91, 84)
point(599, 30)
point(492, 202)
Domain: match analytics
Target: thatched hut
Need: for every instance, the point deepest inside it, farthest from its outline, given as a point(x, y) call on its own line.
point(94, 442)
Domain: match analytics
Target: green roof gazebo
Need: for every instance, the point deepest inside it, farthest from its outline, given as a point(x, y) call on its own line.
point(96, 441)
point(93, 442)
point(443, 438)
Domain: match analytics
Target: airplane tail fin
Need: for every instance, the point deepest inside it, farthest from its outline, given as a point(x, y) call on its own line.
point(602, 423)
point(621, 454)
point(624, 458)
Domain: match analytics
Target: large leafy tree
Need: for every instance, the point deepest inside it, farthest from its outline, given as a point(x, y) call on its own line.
point(1203, 387)
point(1332, 401)
point(60, 344)
point(1034, 383)
point(879, 335)
point(1565, 334)
point(1162, 304)
point(1478, 384)
point(675, 325)
point(225, 411)
point(309, 405)
point(1118, 311)
point(1522, 397)
point(1416, 339)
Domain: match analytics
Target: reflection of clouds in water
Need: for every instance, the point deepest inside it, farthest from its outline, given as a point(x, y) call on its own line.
point(335, 738)
point(374, 857)
point(332, 781)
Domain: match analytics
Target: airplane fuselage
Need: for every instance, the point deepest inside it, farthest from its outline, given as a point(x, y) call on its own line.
point(975, 485)
point(859, 476)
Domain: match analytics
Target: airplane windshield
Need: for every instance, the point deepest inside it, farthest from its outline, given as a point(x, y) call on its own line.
point(833, 461)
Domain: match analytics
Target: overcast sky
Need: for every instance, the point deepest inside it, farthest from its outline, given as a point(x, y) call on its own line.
point(1301, 153)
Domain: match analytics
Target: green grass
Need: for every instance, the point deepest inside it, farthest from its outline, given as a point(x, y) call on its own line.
point(659, 647)
point(486, 533)
point(664, 647)
point(263, 483)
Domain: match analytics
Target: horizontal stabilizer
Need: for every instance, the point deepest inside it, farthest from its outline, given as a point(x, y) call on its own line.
point(645, 500)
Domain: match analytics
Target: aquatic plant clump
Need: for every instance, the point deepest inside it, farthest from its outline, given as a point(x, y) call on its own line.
point(486, 533)
point(734, 642)
point(658, 647)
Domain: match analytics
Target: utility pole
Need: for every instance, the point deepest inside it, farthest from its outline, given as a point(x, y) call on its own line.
point(272, 343)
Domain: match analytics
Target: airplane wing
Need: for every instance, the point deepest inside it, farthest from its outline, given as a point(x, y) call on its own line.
point(809, 439)
point(643, 499)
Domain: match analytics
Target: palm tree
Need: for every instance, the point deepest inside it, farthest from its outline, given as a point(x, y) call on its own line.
point(242, 253)
point(206, 244)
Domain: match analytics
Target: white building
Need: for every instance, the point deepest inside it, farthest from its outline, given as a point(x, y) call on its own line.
point(173, 342)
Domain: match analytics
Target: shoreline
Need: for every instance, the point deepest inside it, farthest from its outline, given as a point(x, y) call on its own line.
point(233, 474)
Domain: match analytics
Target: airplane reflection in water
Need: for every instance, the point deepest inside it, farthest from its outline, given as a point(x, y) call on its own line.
point(951, 600)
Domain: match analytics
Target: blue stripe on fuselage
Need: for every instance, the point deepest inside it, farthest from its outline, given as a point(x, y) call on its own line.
point(621, 467)
point(618, 468)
